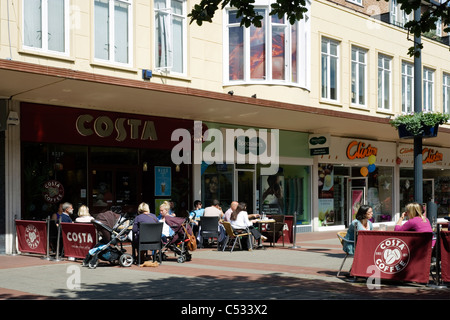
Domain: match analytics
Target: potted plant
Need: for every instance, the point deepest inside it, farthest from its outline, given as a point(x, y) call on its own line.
point(423, 124)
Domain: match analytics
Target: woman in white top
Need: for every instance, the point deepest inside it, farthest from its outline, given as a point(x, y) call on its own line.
point(83, 215)
point(239, 221)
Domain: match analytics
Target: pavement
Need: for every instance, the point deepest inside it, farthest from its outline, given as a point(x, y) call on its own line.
point(289, 274)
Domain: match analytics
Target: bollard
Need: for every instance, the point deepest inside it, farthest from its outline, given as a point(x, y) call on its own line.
point(47, 256)
point(294, 230)
point(57, 240)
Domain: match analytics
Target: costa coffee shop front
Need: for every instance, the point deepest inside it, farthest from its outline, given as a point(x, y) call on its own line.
point(99, 159)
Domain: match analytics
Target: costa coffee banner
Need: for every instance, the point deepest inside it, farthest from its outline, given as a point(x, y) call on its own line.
point(52, 124)
point(400, 256)
point(78, 239)
point(445, 256)
point(32, 236)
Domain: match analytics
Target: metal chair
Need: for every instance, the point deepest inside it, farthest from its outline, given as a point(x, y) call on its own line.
point(231, 234)
point(150, 239)
point(209, 228)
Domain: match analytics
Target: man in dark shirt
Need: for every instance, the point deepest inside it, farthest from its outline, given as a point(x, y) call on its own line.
point(67, 212)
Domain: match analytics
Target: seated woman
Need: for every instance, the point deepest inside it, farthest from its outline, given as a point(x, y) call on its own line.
point(362, 221)
point(144, 216)
point(83, 215)
point(416, 220)
point(240, 222)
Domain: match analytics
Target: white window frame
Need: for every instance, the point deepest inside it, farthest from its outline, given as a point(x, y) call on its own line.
point(358, 66)
point(446, 92)
point(407, 79)
point(303, 50)
point(169, 45)
point(45, 27)
point(328, 57)
point(357, 2)
point(111, 39)
point(428, 89)
point(384, 80)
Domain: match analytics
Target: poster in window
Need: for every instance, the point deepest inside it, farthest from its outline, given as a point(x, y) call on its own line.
point(163, 179)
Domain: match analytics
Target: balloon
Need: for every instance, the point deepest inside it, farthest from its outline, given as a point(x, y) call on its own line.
point(372, 159)
point(364, 171)
point(371, 167)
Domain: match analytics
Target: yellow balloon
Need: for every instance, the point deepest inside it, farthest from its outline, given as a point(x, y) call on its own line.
point(364, 171)
point(372, 159)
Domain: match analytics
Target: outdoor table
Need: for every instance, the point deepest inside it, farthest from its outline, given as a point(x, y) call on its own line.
point(271, 222)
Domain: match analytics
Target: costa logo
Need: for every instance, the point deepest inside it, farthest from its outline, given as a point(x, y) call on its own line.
point(32, 237)
point(392, 255)
point(53, 191)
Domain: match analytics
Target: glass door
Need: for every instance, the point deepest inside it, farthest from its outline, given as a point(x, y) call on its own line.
point(356, 195)
point(114, 187)
point(245, 186)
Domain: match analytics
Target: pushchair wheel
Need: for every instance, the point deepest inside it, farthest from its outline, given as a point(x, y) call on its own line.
point(93, 264)
point(126, 260)
point(181, 259)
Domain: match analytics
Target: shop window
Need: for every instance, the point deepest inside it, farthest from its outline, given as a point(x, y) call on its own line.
point(436, 188)
point(66, 166)
point(343, 189)
point(217, 183)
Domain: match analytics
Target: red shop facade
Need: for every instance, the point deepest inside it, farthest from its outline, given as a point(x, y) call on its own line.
point(99, 159)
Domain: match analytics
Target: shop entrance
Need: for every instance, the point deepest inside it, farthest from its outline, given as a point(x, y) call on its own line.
point(356, 195)
point(114, 186)
point(245, 186)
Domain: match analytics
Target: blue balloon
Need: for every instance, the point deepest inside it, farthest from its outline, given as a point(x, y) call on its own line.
point(371, 167)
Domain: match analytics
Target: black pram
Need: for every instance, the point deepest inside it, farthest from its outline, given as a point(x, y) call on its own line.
point(178, 241)
point(113, 229)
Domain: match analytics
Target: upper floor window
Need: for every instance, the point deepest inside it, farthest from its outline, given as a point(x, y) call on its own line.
point(384, 82)
point(397, 16)
point(170, 35)
point(330, 69)
point(446, 92)
point(407, 87)
point(358, 2)
point(45, 25)
point(113, 31)
point(359, 77)
point(276, 52)
point(428, 89)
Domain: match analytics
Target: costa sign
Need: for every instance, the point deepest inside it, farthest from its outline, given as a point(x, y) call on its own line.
point(89, 127)
point(104, 126)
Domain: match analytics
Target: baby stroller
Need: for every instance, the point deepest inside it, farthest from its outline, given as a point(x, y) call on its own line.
point(182, 238)
point(113, 230)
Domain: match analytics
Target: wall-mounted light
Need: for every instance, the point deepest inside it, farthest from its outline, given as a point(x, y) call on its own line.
point(177, 168)
point(231, 92)
point(145, 166)
point(254, 96)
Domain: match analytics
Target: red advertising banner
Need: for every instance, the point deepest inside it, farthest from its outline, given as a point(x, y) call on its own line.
point(32, 236)
point(445, 256)
point(78, 239)
point(393, 255)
